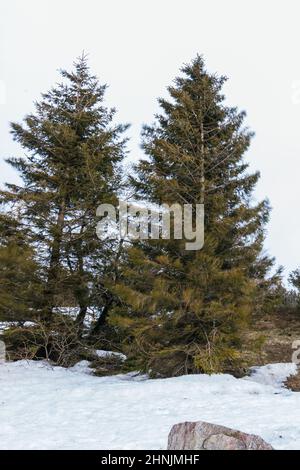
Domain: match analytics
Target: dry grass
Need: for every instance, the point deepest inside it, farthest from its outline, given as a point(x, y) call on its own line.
point(293, 382)
point(270, 339)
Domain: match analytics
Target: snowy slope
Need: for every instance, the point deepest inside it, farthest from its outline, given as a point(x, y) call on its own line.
point(54, 408)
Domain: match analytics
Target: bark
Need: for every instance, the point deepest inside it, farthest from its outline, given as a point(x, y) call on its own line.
point(82, 290)
point(102, 319)
point(54, 260)
point(81, 316)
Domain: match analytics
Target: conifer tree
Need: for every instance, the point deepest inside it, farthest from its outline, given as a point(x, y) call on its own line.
point(294, 279)
point(185, 311)
point(20, 282)
point(294, 296)
point(72, 164)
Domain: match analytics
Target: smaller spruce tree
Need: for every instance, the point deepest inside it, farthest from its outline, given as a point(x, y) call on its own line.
point(73, 156)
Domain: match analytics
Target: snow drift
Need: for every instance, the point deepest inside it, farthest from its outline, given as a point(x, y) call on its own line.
point(44, 407)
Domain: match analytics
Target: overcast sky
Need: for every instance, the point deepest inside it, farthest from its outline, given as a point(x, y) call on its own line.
point(138, 47)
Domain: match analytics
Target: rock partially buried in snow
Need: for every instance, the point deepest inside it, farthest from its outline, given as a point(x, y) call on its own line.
point(200, 435)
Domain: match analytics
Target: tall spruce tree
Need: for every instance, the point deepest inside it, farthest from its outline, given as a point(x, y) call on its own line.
point(72, 164)
point(185, 311)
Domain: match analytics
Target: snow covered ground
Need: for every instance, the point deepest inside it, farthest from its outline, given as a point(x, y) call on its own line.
point(54, 408)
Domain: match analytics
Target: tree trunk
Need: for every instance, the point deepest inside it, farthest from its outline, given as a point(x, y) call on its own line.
point(82, 291)
point(81, 316)
point(54, 261)
point(102, 319)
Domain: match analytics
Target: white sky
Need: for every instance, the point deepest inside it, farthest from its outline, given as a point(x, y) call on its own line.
point(138, 46)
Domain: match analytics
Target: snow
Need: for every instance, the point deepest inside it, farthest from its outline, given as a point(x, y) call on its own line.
point(273, 374)
point(91, 315)
point(44, 407)
point(5, 325)
point(107, 354)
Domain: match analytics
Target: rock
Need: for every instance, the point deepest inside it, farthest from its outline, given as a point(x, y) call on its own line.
point(200, 435)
